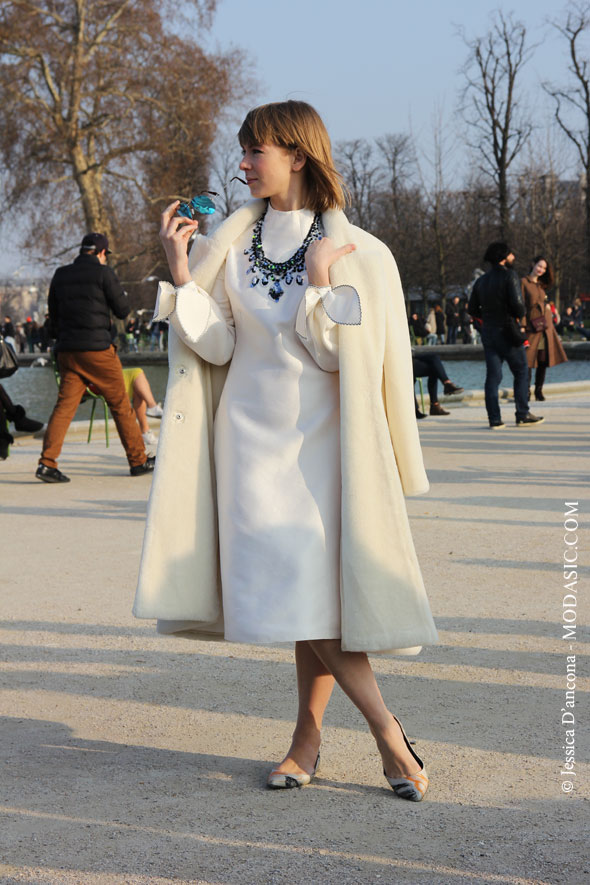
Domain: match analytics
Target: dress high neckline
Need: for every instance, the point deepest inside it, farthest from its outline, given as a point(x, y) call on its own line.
point(284, 232)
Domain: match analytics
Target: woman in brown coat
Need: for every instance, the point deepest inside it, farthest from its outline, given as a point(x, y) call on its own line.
point(545, 347)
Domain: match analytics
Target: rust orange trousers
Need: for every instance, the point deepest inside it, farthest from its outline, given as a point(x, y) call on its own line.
point(102, 369)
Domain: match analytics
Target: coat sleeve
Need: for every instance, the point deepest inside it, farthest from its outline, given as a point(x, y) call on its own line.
point(115, 294)
point(515, 305)
point(203, 321)
point(321, 310)
point(52, 306)
point(474, 306)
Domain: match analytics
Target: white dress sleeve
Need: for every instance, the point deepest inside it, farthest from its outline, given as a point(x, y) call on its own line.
point(321, 311)
point(204, 322)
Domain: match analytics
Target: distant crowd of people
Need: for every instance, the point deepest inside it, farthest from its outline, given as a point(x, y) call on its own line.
point(455, 325)
point(132, 334)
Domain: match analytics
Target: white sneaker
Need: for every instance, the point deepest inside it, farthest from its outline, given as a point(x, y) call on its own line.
point(149, 438)
point(155, 411)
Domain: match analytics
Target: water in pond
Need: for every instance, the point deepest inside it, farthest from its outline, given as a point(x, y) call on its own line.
point(36, 389)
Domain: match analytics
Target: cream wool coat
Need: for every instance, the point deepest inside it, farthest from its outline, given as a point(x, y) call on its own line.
point(383, 600)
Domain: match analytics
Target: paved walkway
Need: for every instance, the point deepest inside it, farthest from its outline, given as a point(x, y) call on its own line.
point(128, 758)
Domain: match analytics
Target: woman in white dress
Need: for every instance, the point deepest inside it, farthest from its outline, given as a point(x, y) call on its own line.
point(277, 433)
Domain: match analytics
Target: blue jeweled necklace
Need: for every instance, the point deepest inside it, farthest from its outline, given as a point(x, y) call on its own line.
point(275, 272)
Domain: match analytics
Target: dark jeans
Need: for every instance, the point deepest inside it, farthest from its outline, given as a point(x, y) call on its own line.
point(497, 349)
point(452, 334)
point(430, 366)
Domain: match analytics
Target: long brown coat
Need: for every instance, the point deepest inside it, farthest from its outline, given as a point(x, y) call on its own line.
point(535, 299)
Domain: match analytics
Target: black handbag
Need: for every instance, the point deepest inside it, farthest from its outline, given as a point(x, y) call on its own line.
point(8, 360)
point(512, 332)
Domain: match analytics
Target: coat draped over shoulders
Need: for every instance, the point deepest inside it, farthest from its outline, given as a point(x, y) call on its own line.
point(383, 601)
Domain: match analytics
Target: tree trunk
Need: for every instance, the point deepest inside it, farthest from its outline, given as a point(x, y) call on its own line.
point(89, 183)
point(503, 206)
point(587, 216)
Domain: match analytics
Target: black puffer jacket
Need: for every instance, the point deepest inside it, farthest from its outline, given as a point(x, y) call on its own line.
point(496, 296)
point(81, 298)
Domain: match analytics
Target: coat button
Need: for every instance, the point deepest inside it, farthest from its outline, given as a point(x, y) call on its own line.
point(181, 370)
point(179, 417)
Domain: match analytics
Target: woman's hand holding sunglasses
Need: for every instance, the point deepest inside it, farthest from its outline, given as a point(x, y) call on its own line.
point(175, 233)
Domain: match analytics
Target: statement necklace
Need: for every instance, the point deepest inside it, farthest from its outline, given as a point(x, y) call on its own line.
point(275, 272)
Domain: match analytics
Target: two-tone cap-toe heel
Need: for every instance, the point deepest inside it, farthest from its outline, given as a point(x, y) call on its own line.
point(281, 780)
point(413, 786)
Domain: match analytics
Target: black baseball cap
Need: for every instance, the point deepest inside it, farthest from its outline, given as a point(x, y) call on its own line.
point(95, 242)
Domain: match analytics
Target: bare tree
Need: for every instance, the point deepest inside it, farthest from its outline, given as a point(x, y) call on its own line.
point(433, 171)
point(549, 213)
point(225, 160)
point(572, 102)
point(399, 161)
point(491, 106)
point(108, 112)
point(361, 174)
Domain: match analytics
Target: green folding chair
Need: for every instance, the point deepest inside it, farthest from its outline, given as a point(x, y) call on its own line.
point(89, 394)
point(421, 386)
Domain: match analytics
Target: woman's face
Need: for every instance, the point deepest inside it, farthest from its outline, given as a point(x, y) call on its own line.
point(268, 169)
point(539, 268)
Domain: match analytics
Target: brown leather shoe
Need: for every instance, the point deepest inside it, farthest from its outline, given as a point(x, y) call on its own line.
point(437, 409)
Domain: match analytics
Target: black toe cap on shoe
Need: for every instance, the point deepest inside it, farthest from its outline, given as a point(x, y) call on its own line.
point(147, 467)
point(50, 474)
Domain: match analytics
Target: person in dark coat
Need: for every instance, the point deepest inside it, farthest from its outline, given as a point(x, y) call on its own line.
point(81, 298)
point(440, 323)
point(453, 314)
point(578, 315)
point(566, 324)
point(496, 300)
point(7, 331)
point(418, 327)
point(545, 349)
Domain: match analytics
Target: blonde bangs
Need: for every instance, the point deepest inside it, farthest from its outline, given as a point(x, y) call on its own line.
point(295, 124)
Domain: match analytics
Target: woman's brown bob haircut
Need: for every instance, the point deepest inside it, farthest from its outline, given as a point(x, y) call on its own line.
point(295, 124)
point(547, 279)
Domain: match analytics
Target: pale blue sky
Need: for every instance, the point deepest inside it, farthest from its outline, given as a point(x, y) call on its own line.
point(369, 67)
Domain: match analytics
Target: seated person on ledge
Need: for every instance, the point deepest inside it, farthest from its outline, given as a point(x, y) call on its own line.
point(431, 366)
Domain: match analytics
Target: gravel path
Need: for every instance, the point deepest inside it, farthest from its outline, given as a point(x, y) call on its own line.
point(129, 758)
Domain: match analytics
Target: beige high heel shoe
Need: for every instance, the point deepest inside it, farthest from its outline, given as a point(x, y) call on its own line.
point(284, 781)
point(412, 787)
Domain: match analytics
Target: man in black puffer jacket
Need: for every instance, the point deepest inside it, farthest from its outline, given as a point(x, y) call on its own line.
point(81, 298)
point(496, 300)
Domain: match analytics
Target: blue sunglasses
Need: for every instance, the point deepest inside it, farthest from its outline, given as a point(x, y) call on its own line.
point(199, 205)
point(202, 204)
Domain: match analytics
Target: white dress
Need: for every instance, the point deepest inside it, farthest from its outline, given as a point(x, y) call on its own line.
point(277, 441)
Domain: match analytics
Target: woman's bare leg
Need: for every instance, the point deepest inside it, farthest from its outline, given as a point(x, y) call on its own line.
point(355, 677)
point(141, 388)
point(139, 406)
point(314, 686)
point(143, 399)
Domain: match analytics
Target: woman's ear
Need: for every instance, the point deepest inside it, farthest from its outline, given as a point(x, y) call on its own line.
point(299, 160)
